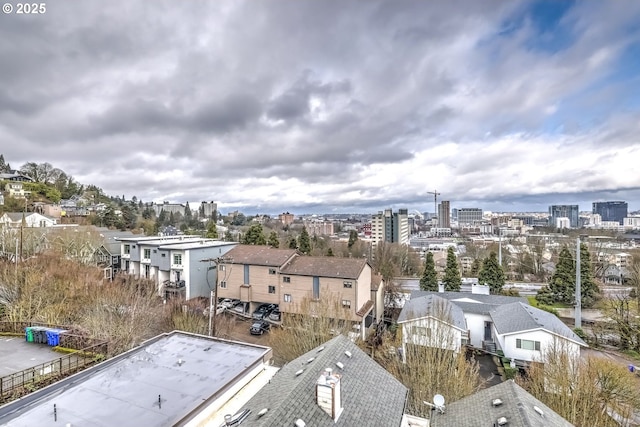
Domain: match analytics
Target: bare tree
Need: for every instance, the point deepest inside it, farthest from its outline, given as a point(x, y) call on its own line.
point(586, 392)
point(300, 333)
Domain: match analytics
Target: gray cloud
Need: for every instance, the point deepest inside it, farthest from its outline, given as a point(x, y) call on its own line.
point(348, 105)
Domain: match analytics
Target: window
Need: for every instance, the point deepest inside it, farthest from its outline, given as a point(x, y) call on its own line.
point(421, 331)
point(347, 284)
point(164, 255)
point(286, 279)
point(346, 303)
point(155, 251)
point(147, 253)
point(177, 259)
point(222, 267)
point(287, 297)
point(127, 249)
point(223, 284)
point(528, 344)
point(272, 289)
point(272, 271)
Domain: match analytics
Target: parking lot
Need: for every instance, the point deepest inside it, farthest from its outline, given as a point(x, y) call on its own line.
point(16, 354)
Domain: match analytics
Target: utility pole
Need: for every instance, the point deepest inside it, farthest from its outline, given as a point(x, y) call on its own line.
point(578, 314)
point(499, 246)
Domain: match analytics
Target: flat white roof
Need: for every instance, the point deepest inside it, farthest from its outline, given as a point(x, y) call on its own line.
point(183, 371)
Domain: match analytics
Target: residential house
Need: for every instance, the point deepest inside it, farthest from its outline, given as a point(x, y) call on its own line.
point(432, 321)
point(16, 189)
point(377, 296)
point(261, 274)
point(161, 383)
point(504, 404)
point(493, 322)
point(181, 266)
point(31, 219)
point(15, 176)
point(332, 385)
point(109, 254)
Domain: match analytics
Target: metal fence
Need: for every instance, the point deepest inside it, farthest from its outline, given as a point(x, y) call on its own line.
point(30, 379)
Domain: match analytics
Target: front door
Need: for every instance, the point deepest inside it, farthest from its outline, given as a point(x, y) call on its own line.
point(487, 331)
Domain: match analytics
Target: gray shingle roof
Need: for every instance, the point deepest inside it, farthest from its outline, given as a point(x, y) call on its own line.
point(518, 407)
point(342, 268)
point(370, 395)
point(473, 303)
point(435, 306)
point(259, 255)
point(517, 317)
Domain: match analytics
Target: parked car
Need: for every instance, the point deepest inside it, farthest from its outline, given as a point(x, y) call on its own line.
point(242, 307)
point(219, 309)
point(275, 315)
point(229, 303)
point(263, 311)
point(259, 328)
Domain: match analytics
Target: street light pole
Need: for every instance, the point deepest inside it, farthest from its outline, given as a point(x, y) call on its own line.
point(578, 313)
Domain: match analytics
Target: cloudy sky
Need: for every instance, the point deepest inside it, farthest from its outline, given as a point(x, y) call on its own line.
point(330, 106)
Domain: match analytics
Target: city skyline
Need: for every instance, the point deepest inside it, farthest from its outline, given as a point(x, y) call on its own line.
point(313, 107)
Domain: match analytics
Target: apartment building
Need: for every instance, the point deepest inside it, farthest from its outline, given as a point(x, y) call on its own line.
point(469, 216)
point(181, 266)
point(611, 211)
point(564, 211)
point(261, 274)
point(391, 227)
point(444, 214)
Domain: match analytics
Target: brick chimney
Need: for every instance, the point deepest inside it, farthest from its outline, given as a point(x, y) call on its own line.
point(328, 393)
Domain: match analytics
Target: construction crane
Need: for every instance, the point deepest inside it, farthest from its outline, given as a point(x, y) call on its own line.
point(435, 201)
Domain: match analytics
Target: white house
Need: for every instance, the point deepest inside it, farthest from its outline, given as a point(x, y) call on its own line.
point(491, 322)
point(31, 219)
point(432, 321)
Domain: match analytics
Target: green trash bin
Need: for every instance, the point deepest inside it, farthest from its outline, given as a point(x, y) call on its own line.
point(29, 332)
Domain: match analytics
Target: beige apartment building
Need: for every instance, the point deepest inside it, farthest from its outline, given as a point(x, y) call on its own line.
point(261, 274)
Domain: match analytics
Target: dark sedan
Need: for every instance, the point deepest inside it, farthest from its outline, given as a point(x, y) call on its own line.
point(259, 328)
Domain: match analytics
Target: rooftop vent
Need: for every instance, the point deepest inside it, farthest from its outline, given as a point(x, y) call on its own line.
point(320, 349)
point(299, 372)
point(502, 421)
point(348, 353)
point(340, 365)
point(496, 402)
point(262, 412)
point(310, 359)
point(300, 423)
point(539, 411)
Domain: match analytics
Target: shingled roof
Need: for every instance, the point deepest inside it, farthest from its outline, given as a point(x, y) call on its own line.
point(519, 408)
point(519, 317)
point(259, 255)
point(432, 305)
point(371, 396)
point(342, 268)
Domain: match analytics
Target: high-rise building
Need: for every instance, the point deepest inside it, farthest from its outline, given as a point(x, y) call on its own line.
point(469, 216)
point(207, 209)
point(444, 214)
point(611, 211)
point(564, 211)
point(390, 227)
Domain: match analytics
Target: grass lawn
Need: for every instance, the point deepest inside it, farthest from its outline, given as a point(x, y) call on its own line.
point(534, 303)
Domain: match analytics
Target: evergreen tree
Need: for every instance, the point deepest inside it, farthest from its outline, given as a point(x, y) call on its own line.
point(3, 165)
point(353, 238)
point(452, 280)
point(293, 243)
point(255, 235)
point(429, 280)
point(304, 242)
point(588, 286)
point(172, 219)
point(562, 285)
point(274, 242)
point(492, 274)
point(187, 213)
point(475, 268)
point(212, 230)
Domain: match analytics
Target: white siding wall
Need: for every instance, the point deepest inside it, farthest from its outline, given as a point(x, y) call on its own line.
point(547, 340)
point(441, 334)
point(475, 324)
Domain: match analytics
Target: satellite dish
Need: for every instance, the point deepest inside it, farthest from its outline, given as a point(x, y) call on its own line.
point(438, 403)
